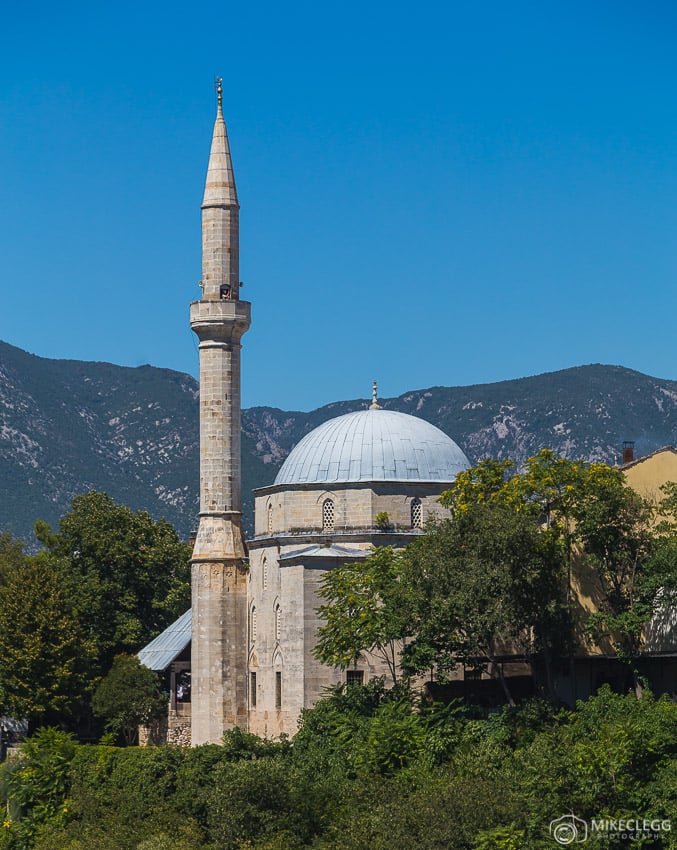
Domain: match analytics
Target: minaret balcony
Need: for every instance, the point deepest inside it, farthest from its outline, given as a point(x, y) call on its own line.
point(222, 319)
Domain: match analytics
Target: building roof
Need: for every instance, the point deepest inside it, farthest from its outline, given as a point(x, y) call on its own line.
point(166, 647)
point(638, 460)
point(373, 445)
point(321, 552)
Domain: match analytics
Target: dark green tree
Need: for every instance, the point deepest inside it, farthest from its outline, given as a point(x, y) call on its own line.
point(602, 528)
point(483, 583)
point(48, 657)
point(129, 696)
point(128, 574)
point(11, 555)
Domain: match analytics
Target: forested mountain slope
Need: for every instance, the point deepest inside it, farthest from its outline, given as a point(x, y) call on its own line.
point(67, 426)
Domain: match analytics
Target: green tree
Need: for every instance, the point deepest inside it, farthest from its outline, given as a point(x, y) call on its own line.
point(363, 612)
point(480, 584)
point(129, 696)
point(11, 555)
point(546, 489)
point(596, 521)
point(128, 573)
point(614, 528)
point(47, 655)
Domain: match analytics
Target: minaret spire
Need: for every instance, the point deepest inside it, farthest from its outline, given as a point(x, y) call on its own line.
point(219, 577)
point(220, 215)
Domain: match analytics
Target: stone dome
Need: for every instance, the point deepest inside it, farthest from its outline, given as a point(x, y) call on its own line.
point(373, 445)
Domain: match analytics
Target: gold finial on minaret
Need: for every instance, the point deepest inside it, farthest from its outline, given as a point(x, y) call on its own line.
point(218, 84)
point(374, 398)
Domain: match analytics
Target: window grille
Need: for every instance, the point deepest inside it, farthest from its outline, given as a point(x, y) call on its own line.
point(270, 519)
point(253, 624)
point(265, 573)
point(278, 689)
point(354, 677)
point(328, 515)
point(416, 514)
point(278, 622)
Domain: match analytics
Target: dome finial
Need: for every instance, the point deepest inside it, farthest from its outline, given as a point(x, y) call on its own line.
point(374, 398)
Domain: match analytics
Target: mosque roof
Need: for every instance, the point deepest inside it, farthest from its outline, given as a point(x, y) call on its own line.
point(322, 552)
point(373, 445)
point(168, 645)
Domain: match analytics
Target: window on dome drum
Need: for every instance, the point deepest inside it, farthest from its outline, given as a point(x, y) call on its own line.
point(354, 677)
point(252, 689)
point(416, 513)
point(252, 624)
point(278, 622)
point(270, 519)
point(328, 515)
point(278, 689)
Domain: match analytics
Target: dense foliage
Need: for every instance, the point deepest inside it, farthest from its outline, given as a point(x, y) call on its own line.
point(107, 582)
point(129, 696)
point(368, 770)
point(507, 572)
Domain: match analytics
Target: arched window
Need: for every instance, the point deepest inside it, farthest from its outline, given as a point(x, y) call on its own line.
point(265, 573)
point(252, 624)
point(278, 621)
point(328, 515)
point(416, 513)
point(270, 519)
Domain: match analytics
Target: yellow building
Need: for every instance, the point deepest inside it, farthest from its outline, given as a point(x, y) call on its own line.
point(648, 474)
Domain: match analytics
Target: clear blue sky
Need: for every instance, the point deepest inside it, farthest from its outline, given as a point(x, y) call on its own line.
point(434, 193)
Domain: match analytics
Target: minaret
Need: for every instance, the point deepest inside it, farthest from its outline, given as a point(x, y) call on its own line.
point(219, 579)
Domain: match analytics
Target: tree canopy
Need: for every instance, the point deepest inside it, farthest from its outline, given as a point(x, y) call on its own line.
point(129, 575)
point(129, 696)
point(501, 572)
point(107, 581)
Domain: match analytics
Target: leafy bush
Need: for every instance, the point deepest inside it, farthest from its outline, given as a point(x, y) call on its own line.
point(35, 786)
point(249, 800)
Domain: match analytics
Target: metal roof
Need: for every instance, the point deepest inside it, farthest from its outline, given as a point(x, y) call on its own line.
point(166, 647)
point(333, 551)
point(373, 445)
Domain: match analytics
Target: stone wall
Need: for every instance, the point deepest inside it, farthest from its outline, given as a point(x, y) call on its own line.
point(355, 506)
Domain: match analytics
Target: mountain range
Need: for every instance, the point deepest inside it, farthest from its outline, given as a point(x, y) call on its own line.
point(68, 426)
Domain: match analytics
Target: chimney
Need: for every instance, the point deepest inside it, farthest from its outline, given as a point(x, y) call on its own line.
point(628, 451)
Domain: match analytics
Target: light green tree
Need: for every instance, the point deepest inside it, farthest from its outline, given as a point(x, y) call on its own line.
point(363, 612)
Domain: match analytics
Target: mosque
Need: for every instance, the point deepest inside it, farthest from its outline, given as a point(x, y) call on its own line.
point(243, 655)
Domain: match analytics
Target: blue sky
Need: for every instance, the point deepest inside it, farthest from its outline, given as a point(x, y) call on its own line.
point(441, 193)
